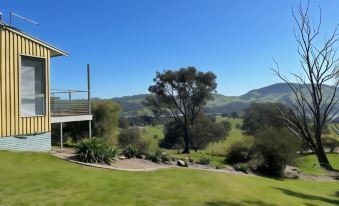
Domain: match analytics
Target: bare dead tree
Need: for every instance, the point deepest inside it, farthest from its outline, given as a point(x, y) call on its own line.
point(312, 108)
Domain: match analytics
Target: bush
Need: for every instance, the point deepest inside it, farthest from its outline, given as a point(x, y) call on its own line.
point(158, 157)
point(204, 160)
point(242, 167)
point(105, 117)
point(143, 146)
point(92, 150)
point(259, 116)
point(240, 151)
point(274, 149)
point(130, 151)
point(129, 136)
point(331, 143)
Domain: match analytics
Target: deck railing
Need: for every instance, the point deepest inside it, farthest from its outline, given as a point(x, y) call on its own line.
point(69, 102)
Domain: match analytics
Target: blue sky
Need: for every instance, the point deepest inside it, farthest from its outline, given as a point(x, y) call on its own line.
point(127, 41)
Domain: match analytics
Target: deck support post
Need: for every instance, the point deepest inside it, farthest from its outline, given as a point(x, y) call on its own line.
point(89, 128)
point(89, 99)
point(61, 137)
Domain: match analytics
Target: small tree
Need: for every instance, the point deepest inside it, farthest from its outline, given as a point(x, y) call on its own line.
point(181, 95)
point(129, 136)
point(105, 117)
point(331, 143)
point(259, 116)
point(123, 123)
point(274, 149)
point(312, 109)
point(234, 115)
point(204, 132)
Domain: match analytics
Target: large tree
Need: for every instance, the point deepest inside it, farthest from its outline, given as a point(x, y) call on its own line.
point(313, 108)
point(181, 95)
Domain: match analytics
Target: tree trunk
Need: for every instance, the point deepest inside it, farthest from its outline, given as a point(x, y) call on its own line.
point(187, 143)
point(322, 158)
point(320, 151)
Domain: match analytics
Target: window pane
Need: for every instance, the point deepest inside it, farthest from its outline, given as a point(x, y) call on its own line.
point(32, 87)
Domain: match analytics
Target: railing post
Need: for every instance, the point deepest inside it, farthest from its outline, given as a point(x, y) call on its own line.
point(70, 102)
point(89, 88)
point(61, 137)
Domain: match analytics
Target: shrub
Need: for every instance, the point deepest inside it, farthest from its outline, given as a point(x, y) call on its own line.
point(331, 143)
point(204, 160)
point(130, 151)
point(92, 150)
point(105, 117)
point(158, 157)
point(274, 149)
point(240, 151)
point(129, 136)
point(142, 146)
point(242, 167)
point(259, 116)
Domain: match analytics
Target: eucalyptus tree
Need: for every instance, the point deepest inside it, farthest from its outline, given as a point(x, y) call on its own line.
point(181, 95)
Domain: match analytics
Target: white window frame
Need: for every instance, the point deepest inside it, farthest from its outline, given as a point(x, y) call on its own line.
point(44, 60)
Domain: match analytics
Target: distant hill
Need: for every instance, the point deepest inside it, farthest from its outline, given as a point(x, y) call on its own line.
point(132, 105)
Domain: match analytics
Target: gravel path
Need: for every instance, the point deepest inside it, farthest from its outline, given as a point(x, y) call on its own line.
point(137, 165)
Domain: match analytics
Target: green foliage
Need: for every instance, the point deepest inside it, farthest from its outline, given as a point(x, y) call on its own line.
point(240, 151)
point(123, 123)
point(203, 160)
point(130, 151)
point(227, 125)
point(274, 149)
point(260, 116)
point(130, 136)
point(242, 167)
point(234, 115)
point(158, 156)
point(105, 117)
point(93, 150)
point(204, 131)
point(174, 136)
point(330, 142)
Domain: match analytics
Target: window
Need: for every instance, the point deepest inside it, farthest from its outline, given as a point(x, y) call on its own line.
point(32, 86)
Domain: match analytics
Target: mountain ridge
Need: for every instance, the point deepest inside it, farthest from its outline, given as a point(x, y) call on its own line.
point(279, 92)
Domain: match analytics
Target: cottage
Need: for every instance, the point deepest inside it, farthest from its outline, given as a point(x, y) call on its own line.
point(28, 106)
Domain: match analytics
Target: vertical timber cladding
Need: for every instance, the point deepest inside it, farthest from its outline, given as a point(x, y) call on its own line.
point(13, 45)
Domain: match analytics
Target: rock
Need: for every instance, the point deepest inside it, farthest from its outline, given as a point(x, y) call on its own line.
point(182, 163)
point(121, 157)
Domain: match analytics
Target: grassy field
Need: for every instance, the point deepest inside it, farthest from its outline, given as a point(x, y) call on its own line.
point(309, 164)
point(219, 148)
point(41, 179)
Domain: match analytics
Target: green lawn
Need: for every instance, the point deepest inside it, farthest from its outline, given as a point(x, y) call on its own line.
point(41, 179)
point(308, 164)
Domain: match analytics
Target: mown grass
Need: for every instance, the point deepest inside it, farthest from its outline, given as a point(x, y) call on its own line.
point(41, 179)
point(308, 164)
point(219, 148)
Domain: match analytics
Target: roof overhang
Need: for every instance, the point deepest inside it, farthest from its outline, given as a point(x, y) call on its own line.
point(54, 51)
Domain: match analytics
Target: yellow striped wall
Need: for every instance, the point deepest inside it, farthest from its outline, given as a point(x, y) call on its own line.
point(13, 45)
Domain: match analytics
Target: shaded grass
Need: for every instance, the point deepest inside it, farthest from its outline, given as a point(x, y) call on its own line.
point(41, 179)
point(309, 164)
